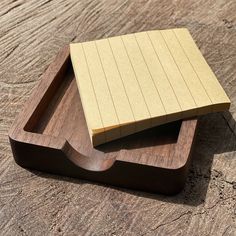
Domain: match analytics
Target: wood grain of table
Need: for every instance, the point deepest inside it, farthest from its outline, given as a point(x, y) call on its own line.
point(34, 203)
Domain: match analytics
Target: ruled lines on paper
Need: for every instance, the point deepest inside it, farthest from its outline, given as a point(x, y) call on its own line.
point(133, 82)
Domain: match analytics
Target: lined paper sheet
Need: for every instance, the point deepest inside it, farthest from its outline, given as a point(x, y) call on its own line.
point(137, 81)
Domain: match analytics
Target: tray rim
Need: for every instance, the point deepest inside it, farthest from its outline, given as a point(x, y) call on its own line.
point(36, 102)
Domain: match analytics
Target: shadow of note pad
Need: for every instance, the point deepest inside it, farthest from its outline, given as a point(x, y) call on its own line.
point(137, 81)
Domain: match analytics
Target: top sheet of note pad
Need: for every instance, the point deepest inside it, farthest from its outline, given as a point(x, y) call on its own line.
point(136, 81)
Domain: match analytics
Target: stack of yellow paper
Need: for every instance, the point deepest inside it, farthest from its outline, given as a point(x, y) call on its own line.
point(137, 81)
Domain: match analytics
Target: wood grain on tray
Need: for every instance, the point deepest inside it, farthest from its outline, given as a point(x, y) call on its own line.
point(51, 135)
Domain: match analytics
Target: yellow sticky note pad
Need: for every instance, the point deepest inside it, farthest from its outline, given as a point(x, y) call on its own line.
point(137, 81)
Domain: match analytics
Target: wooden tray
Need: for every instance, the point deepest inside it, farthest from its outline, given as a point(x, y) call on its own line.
point(51, 135)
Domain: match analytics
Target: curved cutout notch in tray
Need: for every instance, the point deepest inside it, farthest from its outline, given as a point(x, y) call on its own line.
point(51, 135)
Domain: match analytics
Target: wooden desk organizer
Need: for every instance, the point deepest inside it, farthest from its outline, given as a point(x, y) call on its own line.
point(51, 135)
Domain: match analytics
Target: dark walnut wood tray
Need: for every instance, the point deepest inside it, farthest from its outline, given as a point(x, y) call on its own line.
point(51, 135)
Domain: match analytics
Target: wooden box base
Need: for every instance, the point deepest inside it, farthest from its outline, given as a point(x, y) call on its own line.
point(50, 135)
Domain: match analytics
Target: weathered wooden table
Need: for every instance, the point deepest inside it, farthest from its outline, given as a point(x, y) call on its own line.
point(33, 203)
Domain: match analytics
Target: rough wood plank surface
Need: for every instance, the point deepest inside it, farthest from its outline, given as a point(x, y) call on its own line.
point(33, 203)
